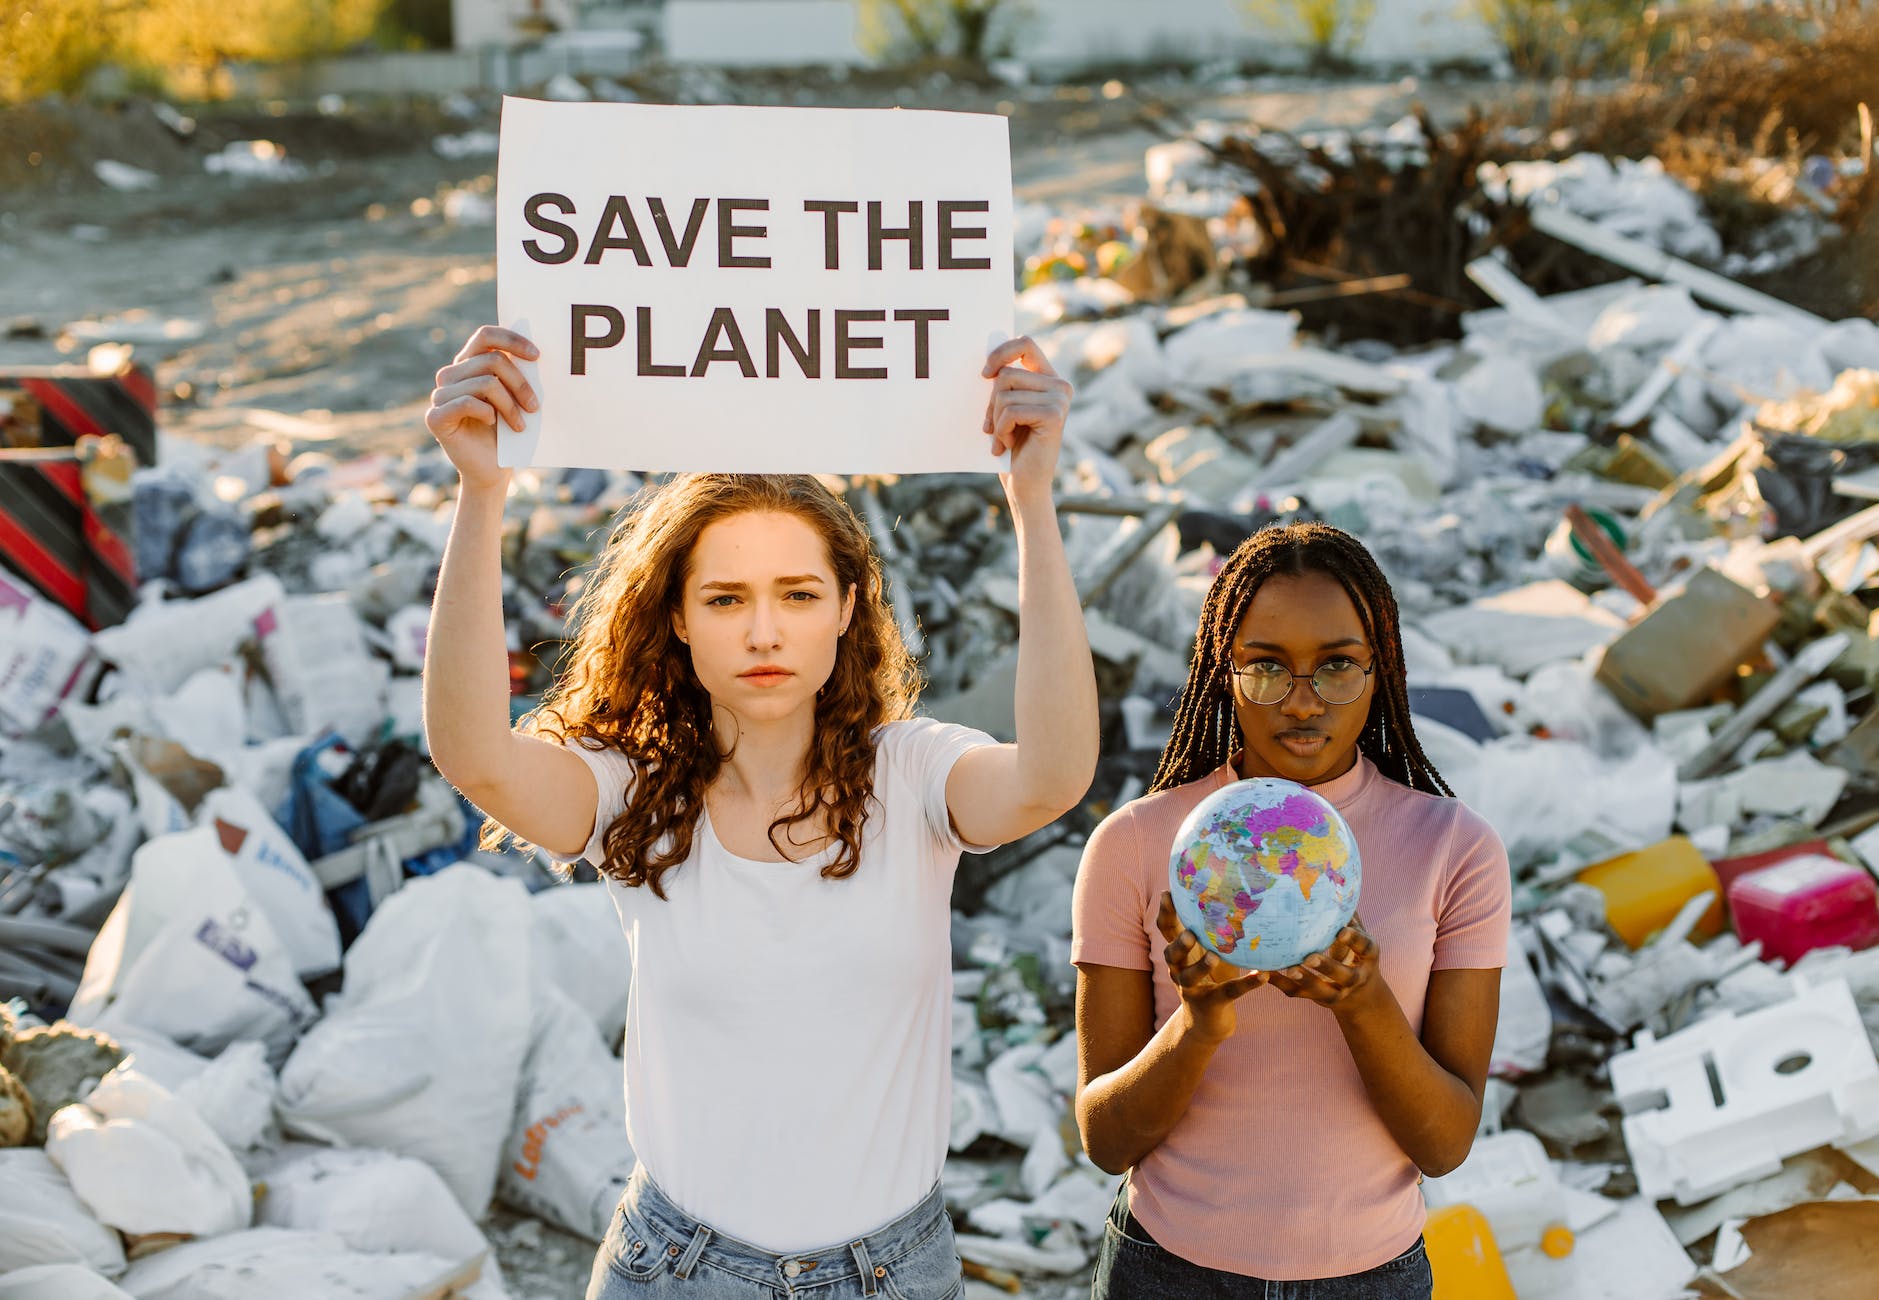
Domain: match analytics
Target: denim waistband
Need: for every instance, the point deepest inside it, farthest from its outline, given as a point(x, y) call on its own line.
point(686, 1240)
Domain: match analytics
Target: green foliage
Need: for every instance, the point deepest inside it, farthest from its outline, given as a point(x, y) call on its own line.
point(1574, 38)
point(420, 24)
point(204, 34)
point(52, 46)
point(49, 47)
point(1330, 29)
point(969, 29)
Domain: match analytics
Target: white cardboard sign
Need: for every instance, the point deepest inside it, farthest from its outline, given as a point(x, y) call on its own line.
point(754, 289)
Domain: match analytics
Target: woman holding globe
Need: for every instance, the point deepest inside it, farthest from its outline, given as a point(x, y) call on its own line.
point(732, 745)
point(1273, 1122)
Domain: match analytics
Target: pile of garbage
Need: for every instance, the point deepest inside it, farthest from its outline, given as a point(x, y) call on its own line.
point(277, 1016)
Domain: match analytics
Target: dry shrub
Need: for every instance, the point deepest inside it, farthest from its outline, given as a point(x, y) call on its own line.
point(1573, 38)
point(1777, 78)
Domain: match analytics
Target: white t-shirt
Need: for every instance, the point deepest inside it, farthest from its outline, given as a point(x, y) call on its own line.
point(789, 1037)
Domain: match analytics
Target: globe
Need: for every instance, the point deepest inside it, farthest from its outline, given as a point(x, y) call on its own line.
point(1265, 873)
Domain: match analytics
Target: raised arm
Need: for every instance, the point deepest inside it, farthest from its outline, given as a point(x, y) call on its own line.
point(537, 789)
point(999, 793)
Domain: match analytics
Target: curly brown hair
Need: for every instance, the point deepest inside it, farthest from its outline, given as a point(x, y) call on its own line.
point(628, 682)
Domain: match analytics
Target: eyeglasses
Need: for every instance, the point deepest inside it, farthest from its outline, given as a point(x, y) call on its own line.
point(1340, 681)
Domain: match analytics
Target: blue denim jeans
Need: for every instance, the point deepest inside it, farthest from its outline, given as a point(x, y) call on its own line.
point(1131, 1266)
point(655, 1251)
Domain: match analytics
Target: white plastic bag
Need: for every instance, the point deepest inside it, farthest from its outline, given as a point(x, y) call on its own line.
point(158, 1059)
point(1538, 794)
point(235, 1094)
point(274, 871)
point(189, 953)
point(44, 656)
point(162, 643)
point(578, 938)
point(567, 1158)
point(371, 1200)
point(206, 715)
point(58, 1282)
point(421, 1051)
point(283, 1264)
point(42, 1221)
point(142, 1161)
point(323, 674)
point(1523, 1032)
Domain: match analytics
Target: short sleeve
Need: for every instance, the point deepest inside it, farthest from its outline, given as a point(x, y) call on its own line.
point(922, 752)
point(613, 776)
point(1108, 907)
point(1476, 909)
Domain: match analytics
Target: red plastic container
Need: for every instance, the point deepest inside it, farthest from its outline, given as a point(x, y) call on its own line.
point(1806, 903)
point(1727, 869)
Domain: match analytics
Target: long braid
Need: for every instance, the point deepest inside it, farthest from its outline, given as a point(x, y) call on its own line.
point(1205, 733)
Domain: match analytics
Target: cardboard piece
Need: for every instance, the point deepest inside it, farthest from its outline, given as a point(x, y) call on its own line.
point(1822, 1250)
point(1687, 645)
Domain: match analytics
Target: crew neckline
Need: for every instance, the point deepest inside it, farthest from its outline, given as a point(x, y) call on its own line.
point(1340, 791)
point(820, 858)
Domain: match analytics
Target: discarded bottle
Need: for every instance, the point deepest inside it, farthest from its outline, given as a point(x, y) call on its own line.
point(1462, 1255)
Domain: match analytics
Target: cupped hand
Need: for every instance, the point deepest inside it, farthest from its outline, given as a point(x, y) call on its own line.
point(481, 386)
point(1339, 977)
point(1209, 985)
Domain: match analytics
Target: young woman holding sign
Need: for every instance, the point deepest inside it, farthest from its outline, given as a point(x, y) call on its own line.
point(1273, 1136)
point(732, 745)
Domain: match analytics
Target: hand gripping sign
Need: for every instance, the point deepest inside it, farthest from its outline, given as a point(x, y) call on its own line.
point(754, 289)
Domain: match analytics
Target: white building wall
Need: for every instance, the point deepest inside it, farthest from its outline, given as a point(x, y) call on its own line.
point(1065, 33)
point(477, 24)
point(752, 33)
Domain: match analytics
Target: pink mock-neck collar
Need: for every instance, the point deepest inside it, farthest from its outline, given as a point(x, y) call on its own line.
point(1339, 791)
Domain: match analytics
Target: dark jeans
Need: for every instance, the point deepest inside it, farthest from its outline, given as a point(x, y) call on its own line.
point(1131, 1266)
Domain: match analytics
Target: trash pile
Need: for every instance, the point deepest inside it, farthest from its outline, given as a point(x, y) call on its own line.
point(277, 1016)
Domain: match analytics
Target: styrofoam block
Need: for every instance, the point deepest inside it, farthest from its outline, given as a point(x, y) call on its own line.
point(1729, 1098)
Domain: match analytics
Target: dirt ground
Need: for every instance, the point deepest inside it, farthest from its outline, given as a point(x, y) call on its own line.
point(326, 304)
point(321, 307)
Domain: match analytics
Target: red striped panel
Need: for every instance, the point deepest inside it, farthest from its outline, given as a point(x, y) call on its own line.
point(52, 395)
point(68, 477)
point(140, 385)
point(58, 582)
point(110, 548)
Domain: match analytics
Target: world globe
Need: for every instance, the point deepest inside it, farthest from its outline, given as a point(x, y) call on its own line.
point(1265, 873)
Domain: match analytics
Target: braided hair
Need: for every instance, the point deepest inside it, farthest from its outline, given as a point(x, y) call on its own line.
point(1205, 733)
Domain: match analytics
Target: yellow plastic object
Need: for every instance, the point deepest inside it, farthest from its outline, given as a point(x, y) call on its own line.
point(1557, 1241)
point(1462, 1255)
point(1645, 889)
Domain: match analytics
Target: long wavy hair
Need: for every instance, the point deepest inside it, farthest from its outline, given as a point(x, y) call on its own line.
point(1205, 732)
point(628, 683)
